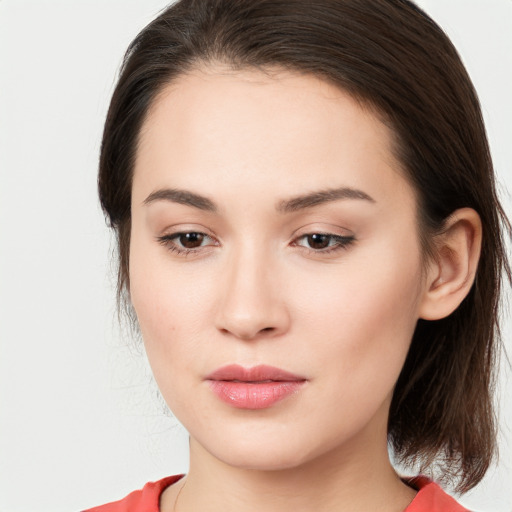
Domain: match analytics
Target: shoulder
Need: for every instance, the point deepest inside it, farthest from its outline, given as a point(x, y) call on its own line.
point(146, 499)
point(431, 498)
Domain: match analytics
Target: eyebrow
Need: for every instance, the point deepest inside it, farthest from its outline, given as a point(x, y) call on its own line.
point(185, 197)
point(293, 204)
point(320, 197)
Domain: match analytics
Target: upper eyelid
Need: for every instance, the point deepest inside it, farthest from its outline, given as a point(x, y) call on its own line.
point(316, 227)
point(334, 231)
point(294, 236)
point(303, 231)
point(323, 233)
point(170, 232)
point(341, 239)
point(177, 234)
point(346, 238)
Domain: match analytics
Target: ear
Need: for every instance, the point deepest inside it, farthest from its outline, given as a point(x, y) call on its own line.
point(452, 269)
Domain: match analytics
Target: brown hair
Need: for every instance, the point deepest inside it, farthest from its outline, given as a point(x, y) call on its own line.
point(391, 56)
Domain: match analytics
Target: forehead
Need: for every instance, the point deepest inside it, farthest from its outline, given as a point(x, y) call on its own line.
point(217, 126)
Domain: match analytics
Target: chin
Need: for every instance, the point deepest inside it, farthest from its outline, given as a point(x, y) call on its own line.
point(262, 451)
point(262, 460)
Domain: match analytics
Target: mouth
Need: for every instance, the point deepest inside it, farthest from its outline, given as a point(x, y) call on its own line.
point(258, 387)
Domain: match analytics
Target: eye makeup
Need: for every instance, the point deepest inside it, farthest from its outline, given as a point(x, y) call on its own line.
point(193, 242)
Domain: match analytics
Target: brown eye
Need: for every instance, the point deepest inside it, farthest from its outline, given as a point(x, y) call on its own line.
point(191, 240)
point(319, 241)
point(323, 243)
point(186, 242)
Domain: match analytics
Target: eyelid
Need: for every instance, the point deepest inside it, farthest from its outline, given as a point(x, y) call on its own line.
point(169, 235)
point(342, 242)
point(340, 235)
point(178, 234)
point(323, 229)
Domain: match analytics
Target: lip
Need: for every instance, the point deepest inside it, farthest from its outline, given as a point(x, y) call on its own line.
point(258, 387)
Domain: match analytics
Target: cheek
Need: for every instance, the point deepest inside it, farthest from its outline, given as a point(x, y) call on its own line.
point(362, 321)
point(371, 292)
point(164, 311)
point(172, 310)
point(170, 333)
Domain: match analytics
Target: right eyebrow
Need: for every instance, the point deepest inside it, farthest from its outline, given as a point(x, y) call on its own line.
point(185, 197)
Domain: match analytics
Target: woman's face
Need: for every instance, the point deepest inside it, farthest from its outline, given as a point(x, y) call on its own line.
point(271, 226)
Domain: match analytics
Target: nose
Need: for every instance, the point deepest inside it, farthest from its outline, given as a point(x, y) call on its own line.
point(252, 303)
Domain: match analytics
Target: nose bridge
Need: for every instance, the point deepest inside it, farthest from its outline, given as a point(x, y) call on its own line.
point(251, 302)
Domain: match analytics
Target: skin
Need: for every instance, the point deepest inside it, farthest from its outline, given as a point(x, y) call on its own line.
point(255, 291)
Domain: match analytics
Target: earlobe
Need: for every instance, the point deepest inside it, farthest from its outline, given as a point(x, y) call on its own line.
point(452, 269)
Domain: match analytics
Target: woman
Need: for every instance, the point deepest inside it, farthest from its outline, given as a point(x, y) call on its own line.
point(310, 238)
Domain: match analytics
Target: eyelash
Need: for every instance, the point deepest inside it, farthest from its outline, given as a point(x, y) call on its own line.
point(340, 242)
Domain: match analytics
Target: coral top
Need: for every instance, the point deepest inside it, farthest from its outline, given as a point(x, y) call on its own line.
point(430, 498)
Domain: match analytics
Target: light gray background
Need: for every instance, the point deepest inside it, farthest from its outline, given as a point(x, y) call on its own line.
point(80, 423)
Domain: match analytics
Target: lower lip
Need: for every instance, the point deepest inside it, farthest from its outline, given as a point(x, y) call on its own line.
point(254, 395)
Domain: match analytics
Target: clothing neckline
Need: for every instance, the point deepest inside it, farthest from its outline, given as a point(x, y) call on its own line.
point(428, 494)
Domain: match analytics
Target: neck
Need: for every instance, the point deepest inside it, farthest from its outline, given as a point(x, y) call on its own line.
point(359, 478)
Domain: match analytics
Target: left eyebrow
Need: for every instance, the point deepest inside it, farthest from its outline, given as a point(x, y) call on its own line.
point(320, 197)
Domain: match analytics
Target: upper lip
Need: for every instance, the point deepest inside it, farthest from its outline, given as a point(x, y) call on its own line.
point(260, 373)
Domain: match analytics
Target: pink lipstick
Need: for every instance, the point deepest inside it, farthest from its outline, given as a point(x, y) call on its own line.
point(253, 388)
